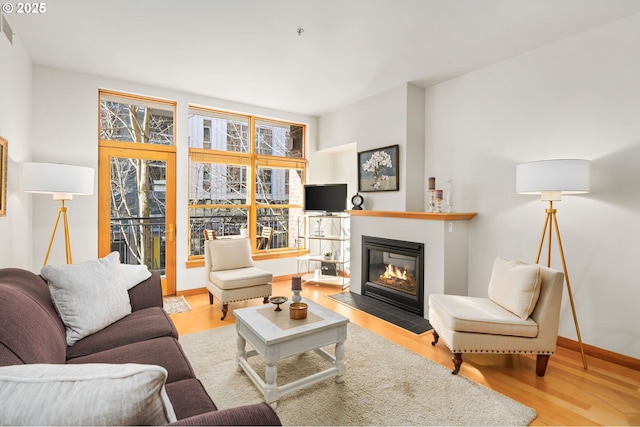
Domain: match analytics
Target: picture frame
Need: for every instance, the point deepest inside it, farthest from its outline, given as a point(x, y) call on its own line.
point(378, 169)
point(4, 144)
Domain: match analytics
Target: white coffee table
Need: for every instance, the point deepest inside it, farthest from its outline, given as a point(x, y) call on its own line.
point(275, 336)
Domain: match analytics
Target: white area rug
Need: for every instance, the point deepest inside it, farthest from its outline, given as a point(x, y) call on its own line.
point(173, 305)
point(385, 384)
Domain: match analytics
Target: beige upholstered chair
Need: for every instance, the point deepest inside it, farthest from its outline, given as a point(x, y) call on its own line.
point(231, 274)
point(521, 314)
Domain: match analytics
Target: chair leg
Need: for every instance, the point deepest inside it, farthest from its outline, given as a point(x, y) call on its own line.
point(457, 361)
point(225, 309)
point(435, 337)
point(541, 364)
point(265, 300)
point(210, 298)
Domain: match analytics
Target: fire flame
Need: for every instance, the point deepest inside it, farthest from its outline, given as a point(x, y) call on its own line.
point(393, 272)
point(399, 278)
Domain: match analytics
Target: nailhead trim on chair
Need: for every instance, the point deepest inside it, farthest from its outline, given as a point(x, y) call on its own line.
point(502, 351)
point(247, 299)
point(492, 351)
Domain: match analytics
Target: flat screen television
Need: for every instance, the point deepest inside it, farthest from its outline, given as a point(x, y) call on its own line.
point(329, 198)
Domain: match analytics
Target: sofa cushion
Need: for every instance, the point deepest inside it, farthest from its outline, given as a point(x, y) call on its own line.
point(93, 394)
point(138, 326)
point(229, 254)
point(197, 402)
point(480, 315)
point(515, 286)
point(89, 296)
point(165, 352)
point(256, 414)
point(240, 278)
point(147, 293)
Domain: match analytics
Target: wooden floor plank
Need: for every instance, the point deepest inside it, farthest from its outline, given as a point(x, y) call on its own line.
point(604, 394)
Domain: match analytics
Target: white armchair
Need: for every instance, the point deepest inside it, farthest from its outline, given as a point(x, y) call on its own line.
point(231, 274)
point(521, 314)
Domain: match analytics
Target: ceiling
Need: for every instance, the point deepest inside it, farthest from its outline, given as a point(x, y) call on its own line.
point(249, 51)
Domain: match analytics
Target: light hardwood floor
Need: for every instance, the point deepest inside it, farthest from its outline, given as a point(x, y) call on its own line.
point(604, 394)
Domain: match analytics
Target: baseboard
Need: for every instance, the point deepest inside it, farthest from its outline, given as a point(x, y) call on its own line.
point(190, 292)
point(600, 353)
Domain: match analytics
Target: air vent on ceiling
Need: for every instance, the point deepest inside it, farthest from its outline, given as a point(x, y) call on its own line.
point(6, 28)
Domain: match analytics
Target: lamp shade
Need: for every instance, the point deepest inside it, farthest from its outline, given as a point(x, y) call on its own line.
point(563, 176)
point(63, 181)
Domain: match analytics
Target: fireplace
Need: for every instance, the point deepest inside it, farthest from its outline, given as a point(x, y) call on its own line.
point(393, 272)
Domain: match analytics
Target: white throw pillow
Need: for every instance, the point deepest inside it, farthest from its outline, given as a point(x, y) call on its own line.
point(229, 254)
point(89, 296)
point(134, 274)
point(84, 394)
point(515, 285)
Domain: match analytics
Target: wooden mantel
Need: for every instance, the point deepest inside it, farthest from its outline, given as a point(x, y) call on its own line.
point(436, 216)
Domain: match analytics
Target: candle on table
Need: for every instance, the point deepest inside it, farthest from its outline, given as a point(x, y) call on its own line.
point(296, 283)
point(432, 183)
point(439, 194)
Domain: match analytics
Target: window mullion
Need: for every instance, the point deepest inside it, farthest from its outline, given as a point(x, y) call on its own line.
point(251, 183)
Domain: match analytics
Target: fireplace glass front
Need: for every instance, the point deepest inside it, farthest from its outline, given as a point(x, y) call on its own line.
point(393, 272)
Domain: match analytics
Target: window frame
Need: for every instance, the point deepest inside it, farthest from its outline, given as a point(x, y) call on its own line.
point(253, 162)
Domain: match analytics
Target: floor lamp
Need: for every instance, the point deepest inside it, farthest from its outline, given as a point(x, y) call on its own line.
point(63, 182)
point(551, 179)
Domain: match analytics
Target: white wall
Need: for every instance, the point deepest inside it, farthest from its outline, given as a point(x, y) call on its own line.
point(578, 98)
point(15, 126)
point(65, 129)
point(414, 173)
point(376, 122)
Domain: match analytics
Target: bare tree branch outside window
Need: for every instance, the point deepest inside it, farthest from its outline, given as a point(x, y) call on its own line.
point(137, 185)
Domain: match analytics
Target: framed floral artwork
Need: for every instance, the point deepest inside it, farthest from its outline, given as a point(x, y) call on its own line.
point(3, 176)
point(378, 169)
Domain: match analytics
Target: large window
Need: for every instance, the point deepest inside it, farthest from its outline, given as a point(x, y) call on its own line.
point(244, 172)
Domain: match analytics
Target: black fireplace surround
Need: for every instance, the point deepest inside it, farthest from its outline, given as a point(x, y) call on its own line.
point(393, 272)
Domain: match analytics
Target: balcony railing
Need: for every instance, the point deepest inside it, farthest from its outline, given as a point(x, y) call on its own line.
point(230, 226)
point(140, 241)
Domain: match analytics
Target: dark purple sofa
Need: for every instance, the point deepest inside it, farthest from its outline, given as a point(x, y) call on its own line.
point(32, 332)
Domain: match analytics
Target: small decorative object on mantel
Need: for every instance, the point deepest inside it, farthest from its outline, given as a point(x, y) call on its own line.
point(378, 169)
point(357, 202)
point(432, 195)
point(438, 200)
point(327, 255)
